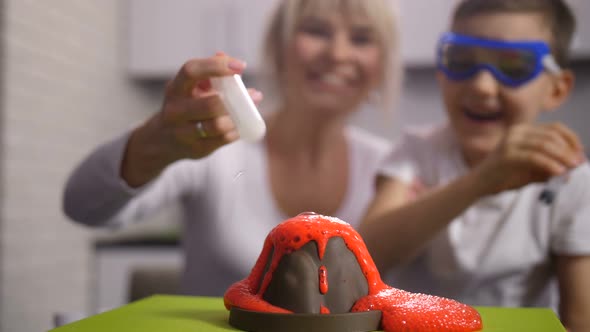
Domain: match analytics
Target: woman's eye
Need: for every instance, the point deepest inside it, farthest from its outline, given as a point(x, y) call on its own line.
point(318, 31)
point(361, 39)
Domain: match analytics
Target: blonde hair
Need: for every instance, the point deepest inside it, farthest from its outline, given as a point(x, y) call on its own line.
point(381, 13)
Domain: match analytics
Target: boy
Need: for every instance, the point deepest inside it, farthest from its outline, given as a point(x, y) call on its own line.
point(487, 232)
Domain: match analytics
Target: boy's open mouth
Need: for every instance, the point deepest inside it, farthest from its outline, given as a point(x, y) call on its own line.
point(482, 116)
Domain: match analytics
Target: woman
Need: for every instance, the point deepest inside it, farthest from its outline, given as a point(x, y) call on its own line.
point(325, 58)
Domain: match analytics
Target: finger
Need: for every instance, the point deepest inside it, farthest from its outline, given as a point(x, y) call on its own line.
point(203, 90)
point(204, 146)
point(191, 132)
point(192, 110)
point(256, 95)
point(197, 70)
point(416, 188)
point(543, 164)
point(215, 127)
point(552, 146)
point(189, 140)
point(570, 145)
point(570, 137)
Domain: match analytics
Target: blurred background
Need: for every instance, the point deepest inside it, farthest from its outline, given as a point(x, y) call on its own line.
point(74, 73)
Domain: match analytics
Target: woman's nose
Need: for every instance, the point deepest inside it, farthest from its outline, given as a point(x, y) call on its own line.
point(340, 48)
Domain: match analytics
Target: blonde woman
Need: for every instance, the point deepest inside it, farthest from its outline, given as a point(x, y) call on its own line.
point(325, 59)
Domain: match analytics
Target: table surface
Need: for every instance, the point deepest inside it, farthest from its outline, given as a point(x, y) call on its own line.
point(187, 313)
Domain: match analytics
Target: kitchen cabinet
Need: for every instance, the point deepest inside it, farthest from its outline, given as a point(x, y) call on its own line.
point(423, 21)
point(161, 35)
point(115, 264)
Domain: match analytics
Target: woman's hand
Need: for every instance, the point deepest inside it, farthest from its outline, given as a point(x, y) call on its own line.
point(192, 123)
point(530, 153)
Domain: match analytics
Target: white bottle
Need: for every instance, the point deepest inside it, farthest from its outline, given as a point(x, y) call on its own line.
point(240, 106)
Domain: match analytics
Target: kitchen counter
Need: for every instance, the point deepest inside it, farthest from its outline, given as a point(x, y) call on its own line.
point(185, 313)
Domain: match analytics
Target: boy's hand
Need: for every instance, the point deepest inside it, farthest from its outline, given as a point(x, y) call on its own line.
point(530, 153)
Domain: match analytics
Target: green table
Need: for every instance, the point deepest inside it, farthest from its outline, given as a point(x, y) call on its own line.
point(185, 313)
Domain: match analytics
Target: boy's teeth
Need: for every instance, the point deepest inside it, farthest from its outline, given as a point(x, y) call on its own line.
point(332, 79)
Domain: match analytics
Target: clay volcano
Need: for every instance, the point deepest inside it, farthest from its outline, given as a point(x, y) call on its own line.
point(315, 273)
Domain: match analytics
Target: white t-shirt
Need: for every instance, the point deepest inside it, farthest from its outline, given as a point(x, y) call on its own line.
point(227, 203)
point(498, 252)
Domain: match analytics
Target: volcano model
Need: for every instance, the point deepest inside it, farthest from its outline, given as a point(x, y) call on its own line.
point(315, 274)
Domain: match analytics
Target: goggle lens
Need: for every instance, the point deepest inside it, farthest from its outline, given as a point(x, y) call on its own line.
point(458, 59)
point(512, 63)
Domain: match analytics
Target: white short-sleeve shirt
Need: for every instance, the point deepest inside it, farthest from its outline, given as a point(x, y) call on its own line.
point(499, 251)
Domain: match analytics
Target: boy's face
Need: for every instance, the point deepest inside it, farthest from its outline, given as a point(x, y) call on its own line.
point(481, 109)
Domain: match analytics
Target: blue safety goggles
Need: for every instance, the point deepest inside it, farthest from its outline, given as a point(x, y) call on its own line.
point(513, 63)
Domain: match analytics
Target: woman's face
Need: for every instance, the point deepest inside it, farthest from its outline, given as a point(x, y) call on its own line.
point(333, 62)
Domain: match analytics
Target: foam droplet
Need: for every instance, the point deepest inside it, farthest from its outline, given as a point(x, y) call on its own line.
point(238, 175)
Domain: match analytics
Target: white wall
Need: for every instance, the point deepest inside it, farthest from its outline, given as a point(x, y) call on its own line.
point(576, 112)
point(64, 92)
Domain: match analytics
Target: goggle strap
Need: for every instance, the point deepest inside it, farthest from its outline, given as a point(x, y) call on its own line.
point(551, 65)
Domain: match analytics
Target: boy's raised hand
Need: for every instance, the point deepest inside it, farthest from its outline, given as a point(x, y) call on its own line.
point(530, 153)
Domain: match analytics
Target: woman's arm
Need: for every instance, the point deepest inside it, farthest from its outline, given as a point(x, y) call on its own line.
point(95, 193)
point(191, 124)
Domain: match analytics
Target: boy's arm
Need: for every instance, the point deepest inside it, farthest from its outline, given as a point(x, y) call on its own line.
point(395, 230)
point(573, 273)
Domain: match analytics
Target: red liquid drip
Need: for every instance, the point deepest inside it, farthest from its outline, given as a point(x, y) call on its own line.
point(402, 311)
point(323, 276)
point(324, 310)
